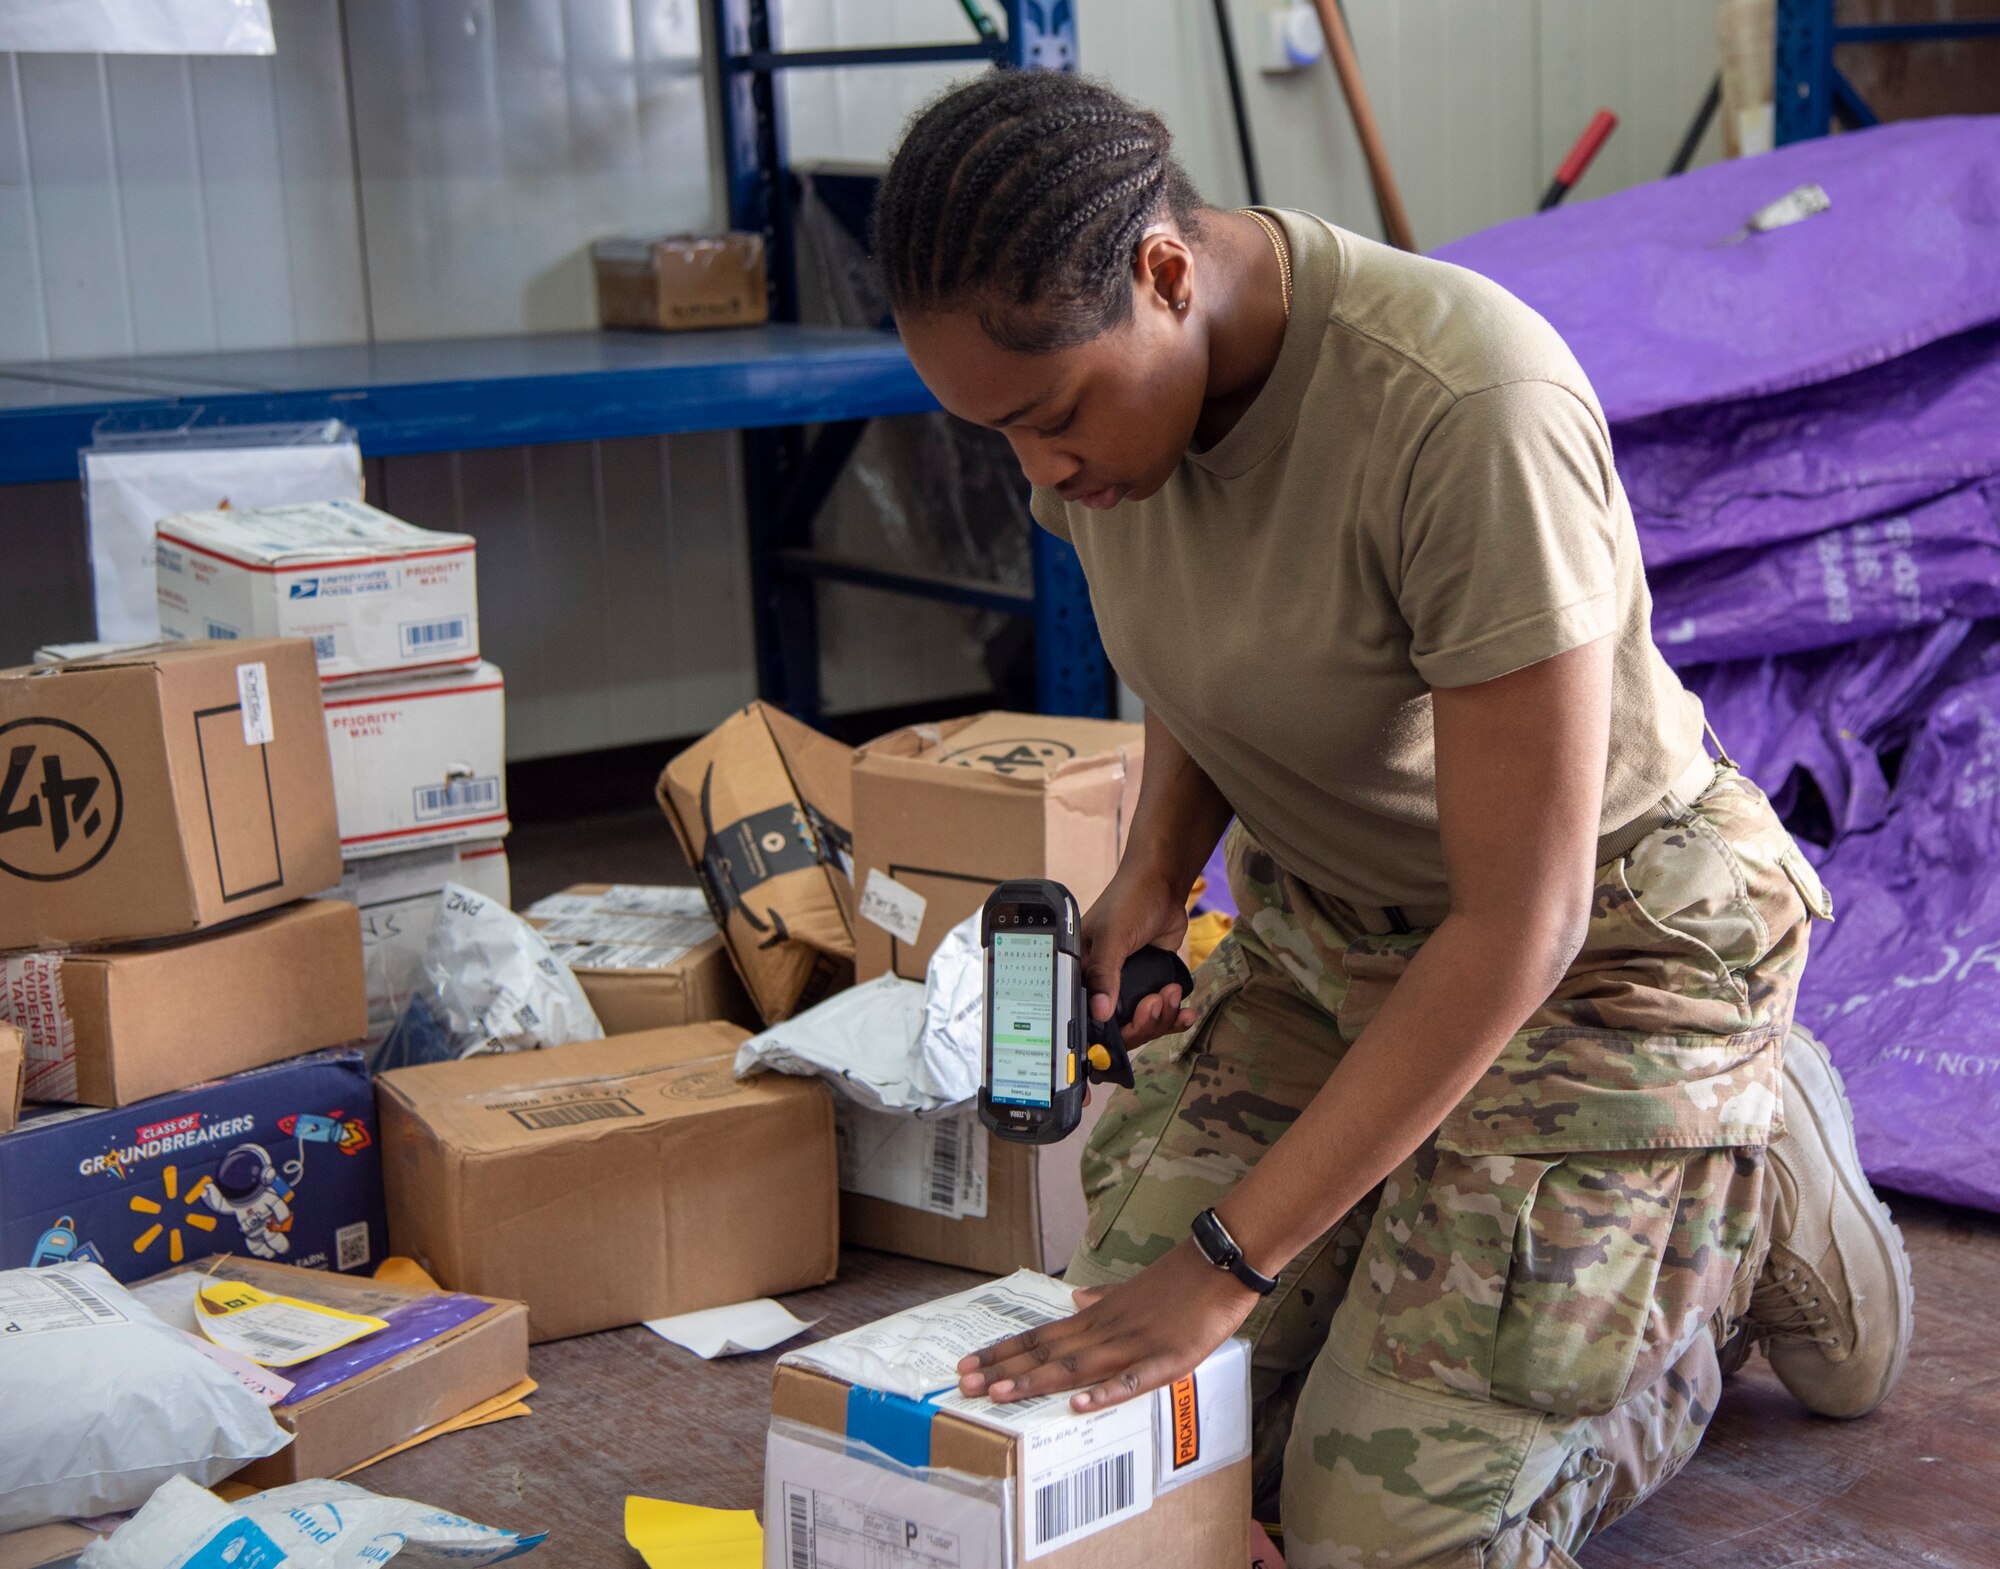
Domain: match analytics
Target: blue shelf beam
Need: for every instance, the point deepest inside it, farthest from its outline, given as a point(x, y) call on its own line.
point(1809, 90)
point(899, 54)
point(461, 394)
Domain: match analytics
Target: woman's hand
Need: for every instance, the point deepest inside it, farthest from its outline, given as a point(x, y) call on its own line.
point(1138, 909)
point(1124, 1340)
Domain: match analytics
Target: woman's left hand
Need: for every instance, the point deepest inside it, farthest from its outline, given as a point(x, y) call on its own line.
point(1123, 1341)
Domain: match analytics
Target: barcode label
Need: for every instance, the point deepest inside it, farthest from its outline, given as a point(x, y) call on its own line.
point(217, 630)
point(619, 956)
point(947, 1156)
point(1073, 1504)
point(85, 1301)
point(456, 798)
point(323, 645)
point(798, 1528)
point(1030, 1315)
point(36, 1301)
point(569, 1114)
point(350, 1246)
point(271, 1341)
point(420, 637)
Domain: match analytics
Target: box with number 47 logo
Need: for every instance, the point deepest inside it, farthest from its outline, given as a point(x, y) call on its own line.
point(160, 791)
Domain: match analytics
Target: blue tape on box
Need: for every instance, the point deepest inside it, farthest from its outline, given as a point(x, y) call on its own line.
point(278, 1163)
point(894, 1424)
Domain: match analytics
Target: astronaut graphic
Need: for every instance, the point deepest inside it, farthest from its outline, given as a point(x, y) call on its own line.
point(248, 1185)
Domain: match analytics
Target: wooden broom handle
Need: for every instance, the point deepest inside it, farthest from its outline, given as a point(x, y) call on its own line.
point(1395, 221)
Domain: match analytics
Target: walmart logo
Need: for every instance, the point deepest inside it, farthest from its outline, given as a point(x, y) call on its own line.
point(306, 588)
point(170, 1223)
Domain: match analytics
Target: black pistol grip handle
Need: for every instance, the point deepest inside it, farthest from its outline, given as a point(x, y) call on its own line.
point(1145, 972)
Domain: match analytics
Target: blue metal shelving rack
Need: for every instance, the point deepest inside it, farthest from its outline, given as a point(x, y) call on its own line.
point(770, 382)
point(789, 476)
point(1810, 90)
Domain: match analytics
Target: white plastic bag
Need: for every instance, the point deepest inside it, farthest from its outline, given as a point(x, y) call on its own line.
point(308, 1525)
point(861, 1041)
point(491, 984)
point(101, 1402)
point(952, 1049)
point(890, 1044)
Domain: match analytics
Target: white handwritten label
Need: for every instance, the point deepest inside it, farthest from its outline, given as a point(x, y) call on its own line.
point(253, 688)
point(899, 911)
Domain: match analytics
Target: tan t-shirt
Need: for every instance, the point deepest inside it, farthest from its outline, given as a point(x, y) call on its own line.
point(1422, 495)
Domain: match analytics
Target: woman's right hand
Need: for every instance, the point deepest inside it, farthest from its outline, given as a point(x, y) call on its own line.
point(1137, 909)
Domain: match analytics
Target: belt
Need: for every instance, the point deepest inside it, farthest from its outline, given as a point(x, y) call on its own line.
point(1689, 787)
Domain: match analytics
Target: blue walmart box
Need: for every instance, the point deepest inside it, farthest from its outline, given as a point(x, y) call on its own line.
point(280, 1163)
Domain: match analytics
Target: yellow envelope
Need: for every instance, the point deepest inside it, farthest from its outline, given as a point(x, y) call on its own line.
point(673, 1536)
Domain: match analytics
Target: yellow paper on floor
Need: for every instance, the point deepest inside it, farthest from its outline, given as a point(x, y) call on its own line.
point(500, 1407)
point(673, 1536)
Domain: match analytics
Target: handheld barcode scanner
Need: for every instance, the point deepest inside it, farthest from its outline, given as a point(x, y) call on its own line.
point(1042, 1046)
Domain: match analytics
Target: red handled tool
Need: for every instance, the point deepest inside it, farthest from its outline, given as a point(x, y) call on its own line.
point(1595, 135)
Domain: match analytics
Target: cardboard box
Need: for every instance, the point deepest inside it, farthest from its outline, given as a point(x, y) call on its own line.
point(647, 958)
point(155, 793)
point(1160, 1480)
point(419, 760)
point(375, 595)
point(278, 1163)
point(942, 1188)
point(681, 281)
point(943, 813)
point(442, 1354)
point(13, 1070)
point(120, 1025)
point(607, 1182)
point(761, 806)
point(397, 896)
point(42, 1545)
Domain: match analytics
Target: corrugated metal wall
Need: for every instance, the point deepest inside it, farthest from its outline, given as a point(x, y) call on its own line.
point(422, 168)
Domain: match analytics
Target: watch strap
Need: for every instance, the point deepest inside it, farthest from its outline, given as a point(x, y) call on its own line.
point(1213, 1241)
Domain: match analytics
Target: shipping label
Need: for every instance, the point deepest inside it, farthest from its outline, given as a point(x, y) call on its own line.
point(897, 909)
point(44, 1301)
point(936, 1163)
point(831, 1510)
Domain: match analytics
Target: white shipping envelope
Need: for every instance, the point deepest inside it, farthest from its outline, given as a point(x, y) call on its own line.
point(128, 492)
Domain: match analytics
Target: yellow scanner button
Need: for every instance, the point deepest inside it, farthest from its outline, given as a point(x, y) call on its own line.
point(1100, 1058)
point(1072, 1067)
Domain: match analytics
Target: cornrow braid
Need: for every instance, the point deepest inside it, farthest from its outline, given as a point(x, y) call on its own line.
point(1024, 195)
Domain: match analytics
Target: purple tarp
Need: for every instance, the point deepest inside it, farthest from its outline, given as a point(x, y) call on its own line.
point(1905, 986)
point(1664, 316)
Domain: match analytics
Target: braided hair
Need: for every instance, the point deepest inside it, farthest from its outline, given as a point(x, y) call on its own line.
point(1024, 194)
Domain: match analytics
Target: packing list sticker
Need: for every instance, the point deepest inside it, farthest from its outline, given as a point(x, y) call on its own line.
point(899, 911)
point(275, 1331)
point(253, 688)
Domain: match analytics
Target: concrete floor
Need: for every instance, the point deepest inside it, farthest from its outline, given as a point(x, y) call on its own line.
point(1772, 1488)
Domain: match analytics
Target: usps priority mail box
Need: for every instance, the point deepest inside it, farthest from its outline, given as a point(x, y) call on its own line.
point(280, 1163)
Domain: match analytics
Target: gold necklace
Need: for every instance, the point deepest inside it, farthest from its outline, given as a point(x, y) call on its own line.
point(1277, 239)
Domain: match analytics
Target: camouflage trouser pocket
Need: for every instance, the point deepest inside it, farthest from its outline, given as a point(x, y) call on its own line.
point(1128, 1136)
point(1563, 1285)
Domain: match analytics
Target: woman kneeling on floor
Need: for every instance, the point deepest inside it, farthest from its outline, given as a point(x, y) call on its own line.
point(1487, 1125)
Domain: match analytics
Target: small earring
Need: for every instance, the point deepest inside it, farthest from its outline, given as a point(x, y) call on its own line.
point(1180, 305)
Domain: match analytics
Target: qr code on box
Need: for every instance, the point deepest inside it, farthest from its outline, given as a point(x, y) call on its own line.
point(350, 1246)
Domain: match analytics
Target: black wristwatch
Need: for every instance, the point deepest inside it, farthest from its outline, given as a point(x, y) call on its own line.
point(1220, 1249)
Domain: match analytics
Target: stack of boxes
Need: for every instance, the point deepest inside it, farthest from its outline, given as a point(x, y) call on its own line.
point(415, 720)
point(165, 815)
point(822, 863)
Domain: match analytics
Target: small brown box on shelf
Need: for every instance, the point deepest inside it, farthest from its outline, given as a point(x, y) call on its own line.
point(681, 282)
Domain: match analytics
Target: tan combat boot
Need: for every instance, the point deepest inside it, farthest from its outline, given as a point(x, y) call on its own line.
point(1832, 1308)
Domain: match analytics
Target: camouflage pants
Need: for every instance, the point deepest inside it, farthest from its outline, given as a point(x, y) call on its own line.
point(1513, 1340)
